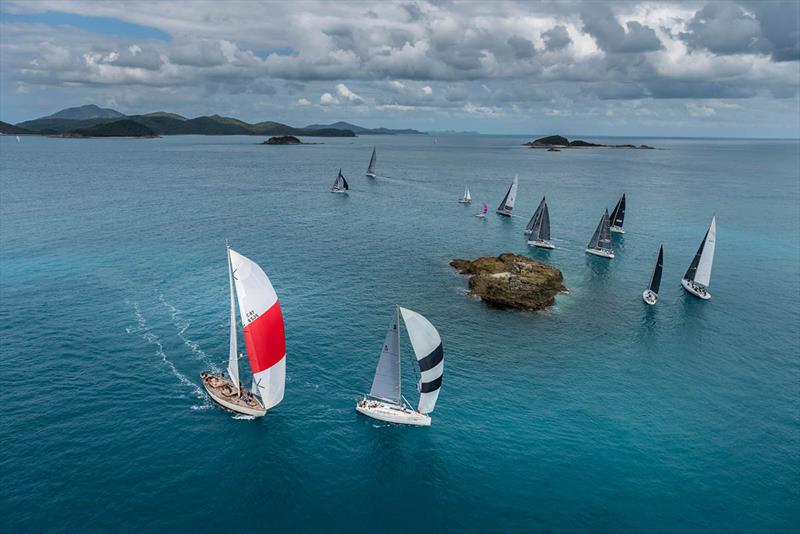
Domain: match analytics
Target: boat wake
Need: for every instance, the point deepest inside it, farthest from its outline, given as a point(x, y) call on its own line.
point(242, 417)
point(182, 325)
point(143, 330)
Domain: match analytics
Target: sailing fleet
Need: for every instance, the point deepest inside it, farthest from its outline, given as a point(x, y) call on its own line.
point(265, 340)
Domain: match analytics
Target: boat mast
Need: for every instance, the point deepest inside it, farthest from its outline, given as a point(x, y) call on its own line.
point(399, 367)
point(233, 357)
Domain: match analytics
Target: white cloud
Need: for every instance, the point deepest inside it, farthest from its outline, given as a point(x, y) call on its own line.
point(328, 99)
point(303, 102)
point(427, 90)
point(343, 91)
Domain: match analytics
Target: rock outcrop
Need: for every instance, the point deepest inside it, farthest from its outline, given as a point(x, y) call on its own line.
point(512, 281)
point(283, 140)
point(559, 141)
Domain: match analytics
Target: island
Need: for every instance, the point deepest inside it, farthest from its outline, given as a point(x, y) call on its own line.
point(283, 140)
point(555, 142)
point(512, 281)
point(119, 128)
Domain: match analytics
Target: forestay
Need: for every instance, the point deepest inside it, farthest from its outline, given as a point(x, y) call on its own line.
point(430, 356)
point(262, 320)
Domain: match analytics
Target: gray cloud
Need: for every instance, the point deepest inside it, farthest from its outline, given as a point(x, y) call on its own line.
point(556, 38)
point(724, 28)
point(599, 21)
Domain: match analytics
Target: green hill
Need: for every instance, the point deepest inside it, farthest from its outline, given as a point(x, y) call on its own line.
point(10, 129)
point(117, 128)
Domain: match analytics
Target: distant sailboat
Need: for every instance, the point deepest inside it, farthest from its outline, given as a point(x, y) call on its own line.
point(618, 216)
point(600, 245)
point(467, 198)
point(18, 141)
point(484, 211)
point(507, 205)
point(371, 169)
point(698, 276)
point(540, 229)
point(264, 338)
point(385, 400)
point(340, 185)
point(650, 294)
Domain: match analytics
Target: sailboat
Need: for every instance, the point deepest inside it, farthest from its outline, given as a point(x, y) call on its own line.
point(264, 339)
point(650, 294)
point(467, 198)
point(340, 185)
point(507, 205)
point(698, 276)
point(371, 168)
point(600, 245)
point(534, 217)
point(483, 212)
point(385, 400)
point(18, 141)
point(540, 230)
point(618, 216)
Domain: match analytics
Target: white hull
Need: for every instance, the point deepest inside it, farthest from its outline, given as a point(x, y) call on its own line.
point(600, 252)
point(480, 215)
point(617, 229)
point(217, 386)
point(649, 297)
point(390, 413)
point(503, 213)
point(464, 201)
point(695, 289)
point(371, 175)
point(344, 191)
point(542, 244)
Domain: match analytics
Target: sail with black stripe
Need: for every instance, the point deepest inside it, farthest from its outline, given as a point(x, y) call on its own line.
point(428, 350)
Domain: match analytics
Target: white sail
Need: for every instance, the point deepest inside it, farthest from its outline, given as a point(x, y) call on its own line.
point(467, 196)
point(703, 274)
point(430, 356)
point(386, 384)
point(233, 356)
point(512, 194)
point(262, 321)
point(372, 160)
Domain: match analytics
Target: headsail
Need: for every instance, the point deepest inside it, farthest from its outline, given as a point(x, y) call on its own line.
point(534, 217)
point(544, 228)
point(386, 384)
point(618, 215)
point(262, 320)
point(507, 205)
point(700, 269)
point(233, 355)
point(467, 196)
point(655, 280)
point(430, 356)
point(371, 168)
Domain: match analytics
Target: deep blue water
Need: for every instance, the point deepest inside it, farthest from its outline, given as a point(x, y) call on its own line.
point(600, 414)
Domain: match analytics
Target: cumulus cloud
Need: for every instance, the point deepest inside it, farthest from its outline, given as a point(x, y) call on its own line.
point(328, 99)
point(303, 102)
point(556, 38)
point(724, 28)
point(343, 91)
point(599, 21)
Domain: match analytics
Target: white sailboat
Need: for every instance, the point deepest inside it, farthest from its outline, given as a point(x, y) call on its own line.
point(650, 295)
point(539, 235)
point(385, 400)
point(600, 245)
point(340, 184)
point(264, 338)
point(371, 168)
point(618, 216)
point(507, 205)
point(18, 141)
point(698, 276)
point(467, 198)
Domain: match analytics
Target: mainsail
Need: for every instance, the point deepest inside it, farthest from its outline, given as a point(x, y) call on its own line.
point(262, 320)
point(386, 384)
point(430, 356)
point(534, 217)
point(507, 205)
point(655, 280)
point(541, 229)
point(467, 196)
point(371, 168)
point(233, 356)
point(340, 183)
point(618, 215)
point(602, 235)
point(700, 269)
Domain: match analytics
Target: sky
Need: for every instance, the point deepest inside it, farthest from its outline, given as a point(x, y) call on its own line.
point(647, 68)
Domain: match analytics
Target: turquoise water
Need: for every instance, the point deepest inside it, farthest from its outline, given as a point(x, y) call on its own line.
point(599, 414)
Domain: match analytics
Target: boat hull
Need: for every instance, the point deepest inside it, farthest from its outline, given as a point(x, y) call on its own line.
point(503, 213)
point(601, 253)
point(617, 229)
point(389, 413)
point(695, 289)
point(371, 175)
point(649, 297)
point(464, 201)
point(222, 391)
point(342, 191)
point(480, 215)
point(542, 244)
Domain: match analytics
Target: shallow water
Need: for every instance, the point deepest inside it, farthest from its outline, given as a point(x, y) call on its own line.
point(600, 413)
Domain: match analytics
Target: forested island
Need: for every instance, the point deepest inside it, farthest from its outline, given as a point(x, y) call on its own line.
point(556, 142)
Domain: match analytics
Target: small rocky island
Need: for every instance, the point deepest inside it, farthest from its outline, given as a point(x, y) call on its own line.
point(512, 281)
point(555, 142)
point(282, 140)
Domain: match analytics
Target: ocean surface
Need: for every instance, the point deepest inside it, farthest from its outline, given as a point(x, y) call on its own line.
point(599, 414)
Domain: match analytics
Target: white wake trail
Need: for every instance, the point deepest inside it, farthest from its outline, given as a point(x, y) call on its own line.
point(182, 325)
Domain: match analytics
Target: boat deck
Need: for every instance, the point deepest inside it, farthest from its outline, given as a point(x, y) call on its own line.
point(224, 392)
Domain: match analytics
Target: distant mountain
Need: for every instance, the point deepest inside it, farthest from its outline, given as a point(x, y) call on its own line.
point(360, 130)
point(10, 129)
point(118, 128)
point(165, 114)
point(89, 111)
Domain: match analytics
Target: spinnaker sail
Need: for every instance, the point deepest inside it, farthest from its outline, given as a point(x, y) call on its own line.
point(427, 345)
